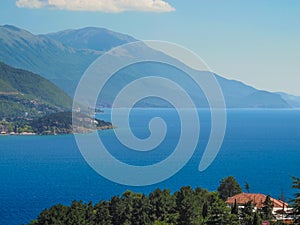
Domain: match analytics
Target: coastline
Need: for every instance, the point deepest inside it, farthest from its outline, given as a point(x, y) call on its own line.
point(106, 127)
point(18, 134)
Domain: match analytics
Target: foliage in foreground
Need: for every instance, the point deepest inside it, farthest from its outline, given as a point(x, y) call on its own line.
point(296, 200)
point(185, 207)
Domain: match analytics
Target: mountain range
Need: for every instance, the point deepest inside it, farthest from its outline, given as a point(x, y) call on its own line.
point(62, 58)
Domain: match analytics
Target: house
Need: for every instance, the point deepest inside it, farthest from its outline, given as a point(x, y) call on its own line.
point(281, 210)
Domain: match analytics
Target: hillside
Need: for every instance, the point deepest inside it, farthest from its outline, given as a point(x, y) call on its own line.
point(25, 94)
point(30, 104)
point(62, 57)
point(45, 56)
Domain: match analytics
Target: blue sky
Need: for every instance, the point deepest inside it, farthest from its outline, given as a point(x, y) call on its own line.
point(257, 42)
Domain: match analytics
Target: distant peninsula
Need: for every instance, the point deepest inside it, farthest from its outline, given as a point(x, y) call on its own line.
point(53, 124)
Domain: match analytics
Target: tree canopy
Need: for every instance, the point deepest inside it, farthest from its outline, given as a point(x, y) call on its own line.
point(296, 200)
point(160, 207)
point(187, 206)
point(228, 188)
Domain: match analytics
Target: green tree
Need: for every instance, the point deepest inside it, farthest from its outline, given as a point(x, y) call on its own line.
point(55, 215)
point(247, 214)
point(102, 214)
point(127, 198)
point(76, 214)
point(163, 206)
point(235, 208)
point(228, 188)
point(296, 200)
point(187, 207)
point(90, 214)
point(205, 210)
point(141, 209)
point(256, 219)
point(219, 213)
point(247, 187)
point(201, 201)
point(117, 210)
point(267, 209)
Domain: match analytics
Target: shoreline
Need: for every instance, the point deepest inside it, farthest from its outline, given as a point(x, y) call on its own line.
point(108, 127)
point(18, 134)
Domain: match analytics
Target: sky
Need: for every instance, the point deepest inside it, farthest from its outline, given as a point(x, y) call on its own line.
point(256, 42)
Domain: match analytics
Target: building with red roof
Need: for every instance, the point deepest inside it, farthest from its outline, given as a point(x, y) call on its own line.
point(281, 209)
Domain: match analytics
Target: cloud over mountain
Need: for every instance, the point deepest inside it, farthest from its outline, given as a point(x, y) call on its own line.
point(111, 6)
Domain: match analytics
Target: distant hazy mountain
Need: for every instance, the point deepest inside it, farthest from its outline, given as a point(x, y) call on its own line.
point(239, 95)
point(22, 92)
point(236, 94)
point(63, 57)
point(44, 56)
point(93, 38)
point(292, 100)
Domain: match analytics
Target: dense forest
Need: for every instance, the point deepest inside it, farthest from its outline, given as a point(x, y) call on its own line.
point(161, 207)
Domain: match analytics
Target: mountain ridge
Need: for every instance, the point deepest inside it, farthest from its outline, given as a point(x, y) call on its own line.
point(62, 57)
point(44, 56)
point(92, 36)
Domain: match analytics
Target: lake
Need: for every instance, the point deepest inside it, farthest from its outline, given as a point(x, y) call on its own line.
point(261, 147)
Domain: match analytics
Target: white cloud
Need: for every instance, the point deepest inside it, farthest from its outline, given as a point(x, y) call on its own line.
point(113, 6)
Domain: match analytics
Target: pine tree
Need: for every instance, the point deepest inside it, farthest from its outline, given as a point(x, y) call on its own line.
point(103, 216)
point(219, 214)
point(228, 188)
point(141, 210)
point(247, 213)
point(186, 206)
point(256, 219)
point(205, 210)
point(296, 200)
point(163, 206)
point(216, 213)
point(247, 187)
point(235, 208)
point(117, 210)
point(76, 213)
point(267, 209)
point(90, 214)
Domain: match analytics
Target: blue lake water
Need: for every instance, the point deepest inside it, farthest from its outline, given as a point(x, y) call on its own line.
point(261, 147)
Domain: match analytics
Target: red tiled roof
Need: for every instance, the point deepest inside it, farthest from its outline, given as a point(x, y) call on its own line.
point(257, 200)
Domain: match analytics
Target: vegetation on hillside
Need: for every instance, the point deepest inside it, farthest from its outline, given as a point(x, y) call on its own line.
point(18, 106)
point(296, 200)
point(185, 207)
point(24, 92)
point(15, 127)
point(32, 104)
point(25, 96)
